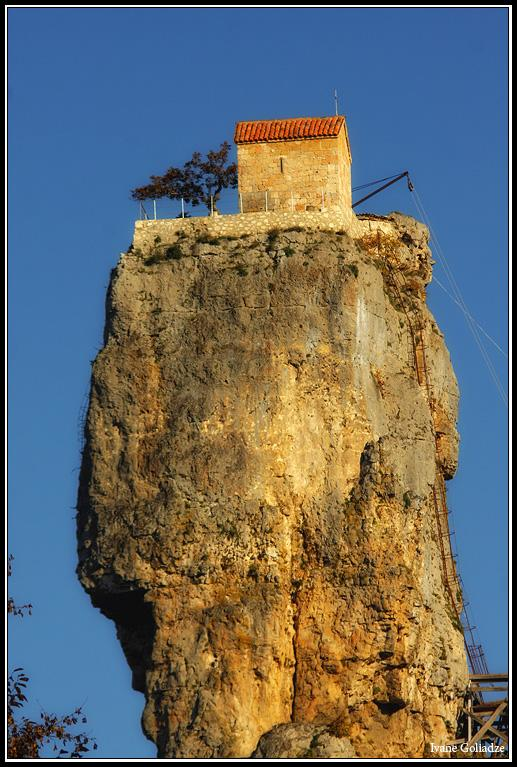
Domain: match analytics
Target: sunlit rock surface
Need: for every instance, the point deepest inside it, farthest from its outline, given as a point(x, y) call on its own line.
point(255, 497)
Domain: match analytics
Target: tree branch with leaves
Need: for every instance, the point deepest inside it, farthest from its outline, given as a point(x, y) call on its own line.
point(26, 738)
point(200, 181)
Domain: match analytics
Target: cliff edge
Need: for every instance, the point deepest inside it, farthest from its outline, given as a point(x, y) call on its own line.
point(255, 507)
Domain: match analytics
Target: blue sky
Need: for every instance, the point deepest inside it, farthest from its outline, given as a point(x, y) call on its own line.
point(99, 99)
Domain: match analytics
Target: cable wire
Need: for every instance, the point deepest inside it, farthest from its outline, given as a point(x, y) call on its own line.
point(371, 183)
point(435, 279)
point(459, 298)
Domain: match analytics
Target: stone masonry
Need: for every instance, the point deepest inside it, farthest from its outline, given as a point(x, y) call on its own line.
point(311, 173)
point(238, 225)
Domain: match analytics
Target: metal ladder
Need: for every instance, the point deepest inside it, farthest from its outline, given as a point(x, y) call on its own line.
point(451, 577)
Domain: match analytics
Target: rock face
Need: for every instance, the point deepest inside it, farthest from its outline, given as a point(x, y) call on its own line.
point(255, 497)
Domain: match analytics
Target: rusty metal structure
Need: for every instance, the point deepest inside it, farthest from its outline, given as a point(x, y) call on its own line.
point(482, 724)
point(451, 578)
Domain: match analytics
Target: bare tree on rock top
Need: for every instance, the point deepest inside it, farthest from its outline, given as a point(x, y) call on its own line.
point(199, 181)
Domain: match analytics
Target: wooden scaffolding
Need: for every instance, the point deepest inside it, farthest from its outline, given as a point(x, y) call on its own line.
point(483, 724)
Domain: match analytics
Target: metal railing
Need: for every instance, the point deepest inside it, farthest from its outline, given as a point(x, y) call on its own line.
point(149, 211)
point(267, 200)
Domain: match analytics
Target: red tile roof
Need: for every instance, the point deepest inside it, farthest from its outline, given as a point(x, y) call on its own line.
point(288, 130)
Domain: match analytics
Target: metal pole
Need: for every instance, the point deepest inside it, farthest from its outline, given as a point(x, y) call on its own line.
point(182, 208)
point(380, 189)
point(266, 200)
point(335, 99)
point(240, 202)
point(154, 206)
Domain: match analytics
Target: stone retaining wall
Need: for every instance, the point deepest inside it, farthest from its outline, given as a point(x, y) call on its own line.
point(241, 224)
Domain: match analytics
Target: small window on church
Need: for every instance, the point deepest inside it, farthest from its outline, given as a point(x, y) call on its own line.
point(282, 164)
